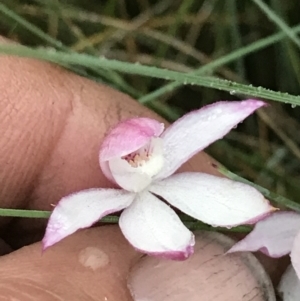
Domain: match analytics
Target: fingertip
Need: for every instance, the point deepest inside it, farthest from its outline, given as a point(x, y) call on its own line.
point(93, 262)
point(207, 273)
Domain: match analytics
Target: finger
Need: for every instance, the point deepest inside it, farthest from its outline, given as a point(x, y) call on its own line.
point(208, 275)
point(88, 265)
point(52, 123)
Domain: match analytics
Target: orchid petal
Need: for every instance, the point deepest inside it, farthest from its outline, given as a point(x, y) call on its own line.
point(196, 130)
point(137, 174)
point(128, 136)
point(213, 200)
point(273, 235)
point(153, 227)
point(295, 253)
point(126, 176)
point(81, 210)
point(107, 172)
point(289, 286)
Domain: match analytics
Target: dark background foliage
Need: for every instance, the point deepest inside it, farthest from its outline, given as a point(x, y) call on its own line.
point(182, 36)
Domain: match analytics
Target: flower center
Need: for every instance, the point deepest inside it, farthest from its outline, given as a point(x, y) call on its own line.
point(137, 159)
point(148, 159)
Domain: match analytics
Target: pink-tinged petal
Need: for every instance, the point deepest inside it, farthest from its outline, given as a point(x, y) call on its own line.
point(289, 286)
point(154, 228)
point(128, 136)
point(107, 172)
point(213, 200)
point(81, 210)
point(198, 129)
point(273, 235)
point(295, 253)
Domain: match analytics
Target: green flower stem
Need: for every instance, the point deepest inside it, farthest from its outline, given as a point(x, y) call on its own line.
point(197, 225)
point(112, 219)
point(90, 61)
point(44, 214)
point(24, 213)
point(189, 222)
point(272, 196)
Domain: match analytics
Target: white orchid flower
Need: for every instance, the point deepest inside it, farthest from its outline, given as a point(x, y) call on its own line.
point(141, 158)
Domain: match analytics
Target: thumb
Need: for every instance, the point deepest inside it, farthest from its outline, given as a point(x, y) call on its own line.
point(86, 266)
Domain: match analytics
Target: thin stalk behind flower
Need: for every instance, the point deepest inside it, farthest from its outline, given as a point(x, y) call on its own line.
point(277, 199)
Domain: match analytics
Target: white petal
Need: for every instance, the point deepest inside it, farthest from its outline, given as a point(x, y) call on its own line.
point(196, 130)
point(295, 254)
point(127, 176)
point(151, 158)
point(82, 209)
point(289, 286)
point(213, 200)
point(273, 235)
point(136, 174)
point(153, 227)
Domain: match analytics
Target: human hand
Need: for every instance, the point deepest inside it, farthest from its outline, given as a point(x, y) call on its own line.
point(52, 123)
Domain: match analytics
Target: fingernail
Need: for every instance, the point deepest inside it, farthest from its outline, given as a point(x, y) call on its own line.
point(208, 275)
point(289, 286)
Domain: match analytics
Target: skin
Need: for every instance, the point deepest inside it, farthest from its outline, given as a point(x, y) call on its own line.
point(51, 126)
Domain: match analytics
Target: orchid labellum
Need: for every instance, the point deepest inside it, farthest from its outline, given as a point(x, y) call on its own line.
point(140, 157)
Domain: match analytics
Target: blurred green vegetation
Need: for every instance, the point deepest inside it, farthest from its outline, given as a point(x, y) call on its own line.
point(183, 36)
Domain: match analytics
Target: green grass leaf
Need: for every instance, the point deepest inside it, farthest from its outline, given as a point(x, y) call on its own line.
point(137, 69)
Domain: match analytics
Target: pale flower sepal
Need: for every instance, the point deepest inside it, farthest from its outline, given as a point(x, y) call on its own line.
point(82, 209)
point(213, 200)
point(273, 235)
point(152, 227)
point(196, 130)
